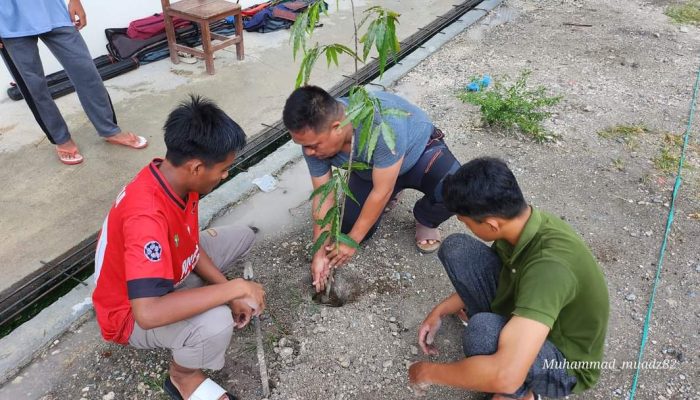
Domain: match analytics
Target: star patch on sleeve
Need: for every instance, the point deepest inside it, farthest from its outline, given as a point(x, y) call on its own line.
point(152, 250)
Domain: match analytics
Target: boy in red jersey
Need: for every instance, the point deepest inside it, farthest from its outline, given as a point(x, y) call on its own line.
point(146, 294)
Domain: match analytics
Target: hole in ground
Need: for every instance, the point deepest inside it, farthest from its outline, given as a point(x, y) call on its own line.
point(347, 287)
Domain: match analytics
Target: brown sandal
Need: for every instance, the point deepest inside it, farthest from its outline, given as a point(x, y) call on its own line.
point(424, 233)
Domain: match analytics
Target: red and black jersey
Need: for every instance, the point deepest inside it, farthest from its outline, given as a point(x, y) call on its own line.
point(148, 244)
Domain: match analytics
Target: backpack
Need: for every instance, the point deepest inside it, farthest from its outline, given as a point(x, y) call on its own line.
point(276, 16)
point(146, 28)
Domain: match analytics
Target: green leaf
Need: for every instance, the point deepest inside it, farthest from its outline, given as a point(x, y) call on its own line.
point(356, 166)
point(388, 135)
point(319, 242)
point(298, 33)
point(329, 55)
point(368, 40)
point(319, 190)
point(332, 213)
point(373, 142)
point(394, 112)
point(348, 192)
point(307, 65)
point(347, 240)
point(324, 190)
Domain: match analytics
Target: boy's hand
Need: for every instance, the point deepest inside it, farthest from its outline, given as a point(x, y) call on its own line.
point(427, 331)
point(416, 378)
point(77, 14)
point(252, 294)
point(241, 313)
point(320, 269)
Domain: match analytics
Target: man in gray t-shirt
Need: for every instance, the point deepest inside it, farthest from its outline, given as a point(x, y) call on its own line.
point(420, 160)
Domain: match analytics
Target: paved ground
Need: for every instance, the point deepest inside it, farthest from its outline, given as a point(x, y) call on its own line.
point(611, 190)
point(67, 204)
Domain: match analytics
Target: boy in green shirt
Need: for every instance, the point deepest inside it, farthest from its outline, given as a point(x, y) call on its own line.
point(536, 300)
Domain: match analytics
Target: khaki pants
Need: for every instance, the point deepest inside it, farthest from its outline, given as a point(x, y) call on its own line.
point(201, 341)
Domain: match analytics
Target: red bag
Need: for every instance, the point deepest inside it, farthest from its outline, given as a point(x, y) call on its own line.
point(146, 28)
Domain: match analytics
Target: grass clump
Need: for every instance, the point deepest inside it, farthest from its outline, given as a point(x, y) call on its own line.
point(516, 105)
point(666, 161)
point(618, 164)
point(628, 134)
point(685, 13)
point(669, 154)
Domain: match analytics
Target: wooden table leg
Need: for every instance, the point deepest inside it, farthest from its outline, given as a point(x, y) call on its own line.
point(206, 47)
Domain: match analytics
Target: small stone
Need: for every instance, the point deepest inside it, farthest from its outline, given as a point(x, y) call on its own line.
point(17, 380)
point(85, 389)
point(587, 108)
point(141, 387)
point(393, 327)
point(631, 297)
point(387, 364)
point(634, 234)
point(286, 352)
point(283, 342)
point(109, 396)
point(345, 363)
point(684, 29)
point(657, 35)
point(681, 377)
point(392, 319)
point(414, 350)
point(648, 233)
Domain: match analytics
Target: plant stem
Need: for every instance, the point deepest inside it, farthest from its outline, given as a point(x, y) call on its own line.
point(354, 24)
point(341, 204)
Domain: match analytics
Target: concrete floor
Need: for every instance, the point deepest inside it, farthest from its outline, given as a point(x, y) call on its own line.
point(46, 207)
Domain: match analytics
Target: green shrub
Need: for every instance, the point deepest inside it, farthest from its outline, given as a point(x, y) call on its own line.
point(516, 105)
point(687, 13)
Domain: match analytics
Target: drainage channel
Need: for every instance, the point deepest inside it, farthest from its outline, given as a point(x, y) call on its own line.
point(40, 289)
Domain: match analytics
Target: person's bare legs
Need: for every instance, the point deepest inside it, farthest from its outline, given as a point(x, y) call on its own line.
point(186, 380)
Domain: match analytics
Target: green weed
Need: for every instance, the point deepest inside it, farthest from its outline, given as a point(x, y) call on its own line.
point(516, 105)
point(686, 13)
point(619, 164)
point(628, 134)
point(666, 161)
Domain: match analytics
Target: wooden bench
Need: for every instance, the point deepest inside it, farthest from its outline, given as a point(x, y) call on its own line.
point(203, 12)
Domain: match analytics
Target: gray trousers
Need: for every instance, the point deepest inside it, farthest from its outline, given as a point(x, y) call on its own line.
point(200, 342)
point(473, 268)
point(21, 56)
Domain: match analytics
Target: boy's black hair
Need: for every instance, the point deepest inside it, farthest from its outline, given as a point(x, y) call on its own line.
point(310, 107)
point(199, 129)
point(484, 187)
